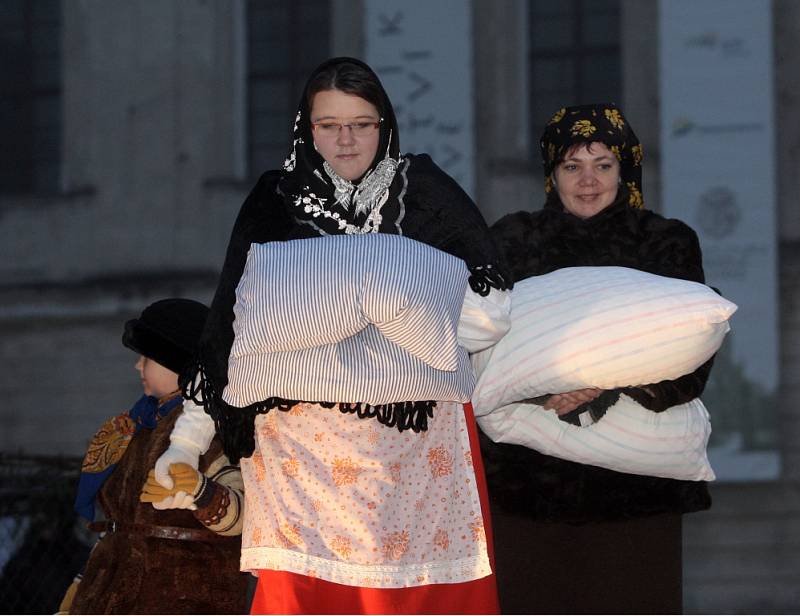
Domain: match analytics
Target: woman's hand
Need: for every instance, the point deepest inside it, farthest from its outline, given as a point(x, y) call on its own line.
point(568, 401)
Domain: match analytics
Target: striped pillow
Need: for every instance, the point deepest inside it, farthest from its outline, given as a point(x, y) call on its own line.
point(629, 438)
point(362, 318)
point(604, 327)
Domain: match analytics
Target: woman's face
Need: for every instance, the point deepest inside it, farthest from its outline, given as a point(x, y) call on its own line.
point(350, 155)
point(587, 181)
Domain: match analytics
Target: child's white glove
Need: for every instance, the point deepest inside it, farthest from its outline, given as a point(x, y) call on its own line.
point(179, 451)
point(187, 485)
point(180, 500)
point(190, 438)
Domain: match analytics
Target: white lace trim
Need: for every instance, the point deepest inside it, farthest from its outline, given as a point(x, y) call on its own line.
point(315, 206)
point(369, 576)
point(405, 164)
point(291, 161)
point(371, 192)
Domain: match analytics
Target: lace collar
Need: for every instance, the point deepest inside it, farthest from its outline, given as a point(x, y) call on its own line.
point(367, 197)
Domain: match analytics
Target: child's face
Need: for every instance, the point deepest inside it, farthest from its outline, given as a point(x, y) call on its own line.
point(157, 380)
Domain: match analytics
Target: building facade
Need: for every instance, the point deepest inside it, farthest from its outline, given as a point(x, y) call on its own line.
point(138, 127)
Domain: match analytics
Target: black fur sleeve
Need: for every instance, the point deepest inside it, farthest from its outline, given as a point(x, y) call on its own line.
point(671, 248)
point(518, 238)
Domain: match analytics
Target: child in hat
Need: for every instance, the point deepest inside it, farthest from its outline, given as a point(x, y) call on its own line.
point(169, 551)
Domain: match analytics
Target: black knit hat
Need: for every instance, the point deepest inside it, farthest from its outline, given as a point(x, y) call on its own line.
point(167, 331)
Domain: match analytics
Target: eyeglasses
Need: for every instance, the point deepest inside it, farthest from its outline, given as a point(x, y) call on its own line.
point(332, 129)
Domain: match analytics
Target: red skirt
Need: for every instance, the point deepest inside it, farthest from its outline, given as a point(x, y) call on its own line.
point(282, 592)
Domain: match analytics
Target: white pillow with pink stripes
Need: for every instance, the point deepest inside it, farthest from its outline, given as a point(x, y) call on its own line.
point(628, 439)
point(604, 327)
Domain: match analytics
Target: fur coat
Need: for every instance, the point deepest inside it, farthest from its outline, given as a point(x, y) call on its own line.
point(524, 481)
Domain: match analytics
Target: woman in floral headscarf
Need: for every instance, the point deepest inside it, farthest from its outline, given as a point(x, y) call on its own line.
point(589, 539)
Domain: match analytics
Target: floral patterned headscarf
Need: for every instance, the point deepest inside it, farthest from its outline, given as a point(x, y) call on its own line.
point(602, 123)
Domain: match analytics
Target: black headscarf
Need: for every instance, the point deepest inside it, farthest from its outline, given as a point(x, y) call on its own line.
point(404, 195)
point(603, 123)
point(312, 190)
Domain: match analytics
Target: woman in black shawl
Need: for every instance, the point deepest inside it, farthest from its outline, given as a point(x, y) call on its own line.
point(353, 527)
point(587, 539)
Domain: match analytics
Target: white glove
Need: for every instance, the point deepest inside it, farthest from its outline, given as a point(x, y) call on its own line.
point(178, 451)
point(179, 500)
point(190, 438)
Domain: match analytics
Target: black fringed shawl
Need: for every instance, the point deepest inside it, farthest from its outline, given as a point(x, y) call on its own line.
point(423, 203)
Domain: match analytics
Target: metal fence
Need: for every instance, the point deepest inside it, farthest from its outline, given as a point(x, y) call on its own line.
point(42, 542)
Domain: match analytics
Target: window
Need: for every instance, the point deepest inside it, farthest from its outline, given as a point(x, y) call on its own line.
point(30, 95)
point(286, 41)
point(574, 56)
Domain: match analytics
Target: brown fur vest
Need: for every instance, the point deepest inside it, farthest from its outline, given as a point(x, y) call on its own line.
point(134, 574)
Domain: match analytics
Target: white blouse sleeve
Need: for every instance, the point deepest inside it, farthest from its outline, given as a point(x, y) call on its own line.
point(194, 427)
point(484, 320)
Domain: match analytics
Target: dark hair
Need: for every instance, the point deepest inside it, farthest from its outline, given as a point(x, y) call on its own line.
point(349, 78)
point(571, 149)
